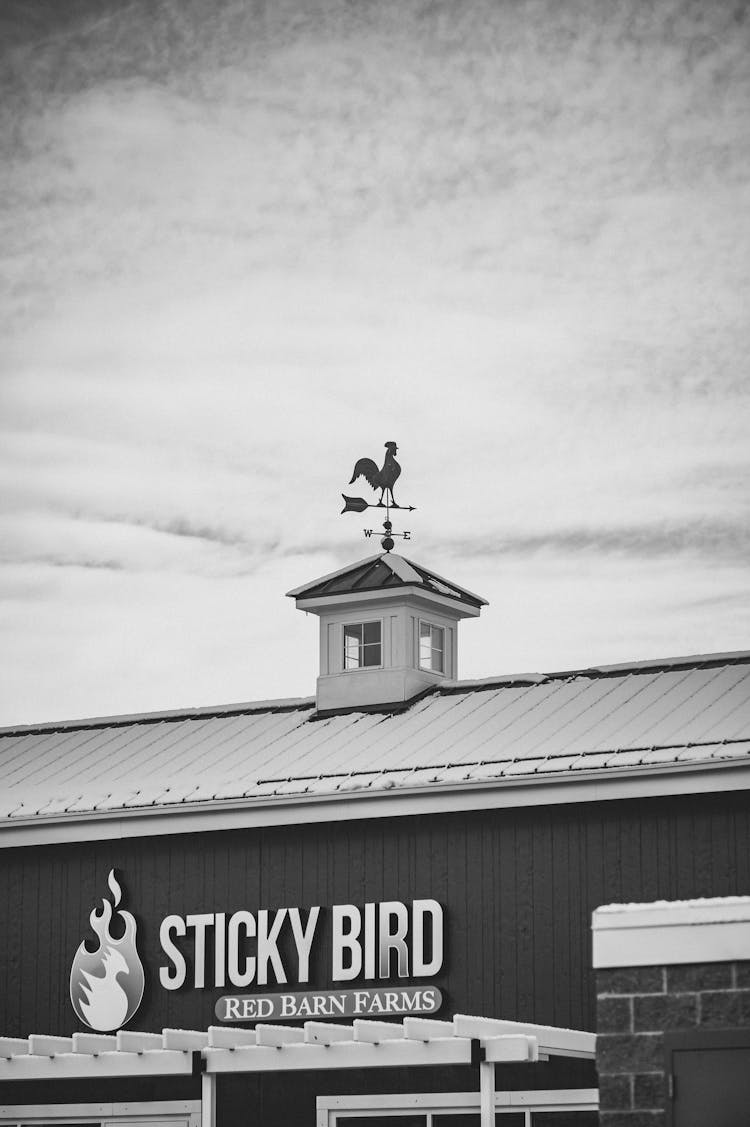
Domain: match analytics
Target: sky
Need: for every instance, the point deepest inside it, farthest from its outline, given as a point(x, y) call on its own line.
point(244, 244)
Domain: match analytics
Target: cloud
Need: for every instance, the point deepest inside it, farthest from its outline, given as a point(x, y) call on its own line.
point(720, 542)
point(245, 244)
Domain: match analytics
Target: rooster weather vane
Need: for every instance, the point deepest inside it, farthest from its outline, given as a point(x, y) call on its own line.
point(384, 480)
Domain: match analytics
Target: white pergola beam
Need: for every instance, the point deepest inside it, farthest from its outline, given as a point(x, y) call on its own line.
point(79, 1066)
point(325, 1033)
point(374, 1032)
point(43, 1046)
point(94, 1043)
point(184, 1040)
point(13, 1046)
point(510, 1048)
point(277, 1036)
point(344, 1054)
point(426, 1028)
point(551, 1040)
point(129, 1041)
point(227, 1037)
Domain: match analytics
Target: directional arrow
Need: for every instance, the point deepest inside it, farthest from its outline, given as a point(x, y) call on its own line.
point(358, 505)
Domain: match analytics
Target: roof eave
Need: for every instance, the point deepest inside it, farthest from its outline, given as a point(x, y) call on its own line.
point(293, 809)
point(458, 607)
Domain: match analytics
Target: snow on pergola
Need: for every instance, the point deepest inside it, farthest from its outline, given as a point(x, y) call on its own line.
point(272, 1048)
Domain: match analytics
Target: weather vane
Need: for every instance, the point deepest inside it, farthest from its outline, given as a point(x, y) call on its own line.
point(384, 480)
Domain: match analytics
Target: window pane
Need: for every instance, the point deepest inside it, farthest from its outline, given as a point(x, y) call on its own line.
point(510, 1120)
point(431, 647)
point(459, 1120)
point(565, 1119)
point(371, 632)
point(353, 646)
point(362, 644)
point(405, 1120)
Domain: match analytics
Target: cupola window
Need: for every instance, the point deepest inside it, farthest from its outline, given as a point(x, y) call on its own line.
point(362, 645)
point(431, 647)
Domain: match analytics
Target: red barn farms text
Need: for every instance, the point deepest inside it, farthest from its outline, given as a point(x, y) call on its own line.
point(378, 941)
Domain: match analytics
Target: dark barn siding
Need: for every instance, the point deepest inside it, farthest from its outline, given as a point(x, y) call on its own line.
point(518, 886)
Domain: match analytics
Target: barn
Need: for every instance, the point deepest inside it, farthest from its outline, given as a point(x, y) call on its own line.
point(372, 905)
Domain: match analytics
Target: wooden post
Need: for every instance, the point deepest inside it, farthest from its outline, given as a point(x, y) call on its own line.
point(487, 1093)
point(208, 1100)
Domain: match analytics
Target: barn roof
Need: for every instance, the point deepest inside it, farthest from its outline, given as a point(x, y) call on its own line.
point(459, 744)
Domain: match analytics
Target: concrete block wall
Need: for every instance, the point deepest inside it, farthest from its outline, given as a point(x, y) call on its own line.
point(665, 968)
point(636, 1006)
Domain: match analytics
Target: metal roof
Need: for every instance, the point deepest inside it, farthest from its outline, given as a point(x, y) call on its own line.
point(384, 572)
point(644, 718)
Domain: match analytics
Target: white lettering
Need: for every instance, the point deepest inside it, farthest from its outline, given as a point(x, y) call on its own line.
point(265, 1007)
point(240, 976)
point(231, 1008)
point(220, 952)
point(421, 968)
point(338, 1003)
point(410, 1000)
point(287, 1005)
point(172, 979)
point(267, 949)
point(393, 939)
point(304, 939)
point(369, 940)
point(345, 941)
point(199, 924)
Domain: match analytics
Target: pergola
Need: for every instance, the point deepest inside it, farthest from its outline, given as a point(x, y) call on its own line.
point(317, 1045)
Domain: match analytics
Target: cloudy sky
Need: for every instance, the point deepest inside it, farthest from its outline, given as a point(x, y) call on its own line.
point(245, 243)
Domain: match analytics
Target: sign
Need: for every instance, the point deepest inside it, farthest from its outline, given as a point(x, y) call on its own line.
point(106, 985)
point(377, 942)
point(383, 940)
point(328, 1004)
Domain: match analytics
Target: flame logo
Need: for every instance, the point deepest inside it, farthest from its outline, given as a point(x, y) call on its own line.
point(106, 986)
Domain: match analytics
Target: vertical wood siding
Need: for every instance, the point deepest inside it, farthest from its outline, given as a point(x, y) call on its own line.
point(518, 887)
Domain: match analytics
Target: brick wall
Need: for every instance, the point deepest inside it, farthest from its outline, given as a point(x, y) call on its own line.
point(635, 1007)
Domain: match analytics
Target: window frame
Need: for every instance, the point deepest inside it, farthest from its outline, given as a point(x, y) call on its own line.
point(334, 1111)
point(432, 626)
point(170, 1113)
point(362, 623)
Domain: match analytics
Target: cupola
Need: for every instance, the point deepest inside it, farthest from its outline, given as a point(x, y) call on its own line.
point(388, 631)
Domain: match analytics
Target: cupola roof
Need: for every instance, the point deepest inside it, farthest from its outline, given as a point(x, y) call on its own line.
point(385, 572)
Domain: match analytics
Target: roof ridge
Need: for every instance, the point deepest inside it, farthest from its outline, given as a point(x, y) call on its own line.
point(291, 704)
point(651, 665)
point(207, 712)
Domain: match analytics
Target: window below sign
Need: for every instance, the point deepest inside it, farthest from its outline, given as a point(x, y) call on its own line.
point(559, 1108)
point(431, 647)
point(363, 645)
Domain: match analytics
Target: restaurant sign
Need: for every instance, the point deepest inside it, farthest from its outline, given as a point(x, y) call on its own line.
point(378, 942)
